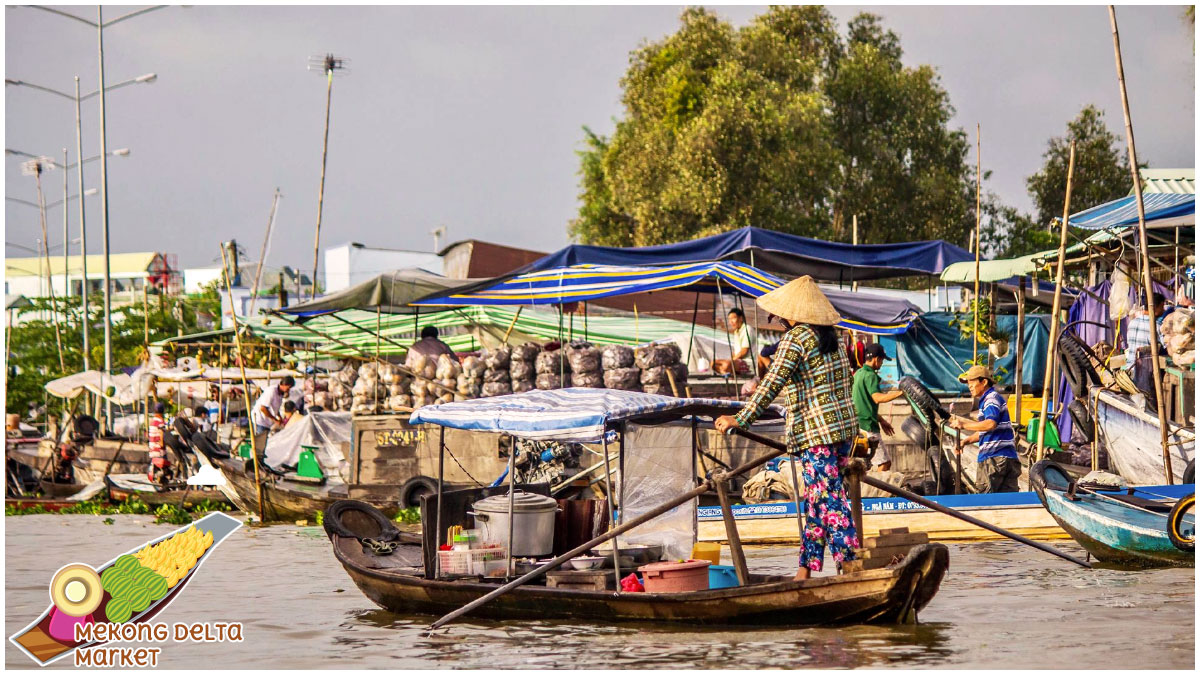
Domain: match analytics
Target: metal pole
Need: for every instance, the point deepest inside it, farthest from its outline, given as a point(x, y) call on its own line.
point(1147, 280)
point(86, 323)
point(975, 298)
point(612, 517)
point(437, 519)
point(1020, 338)
point(854, 240)
point(49, 279)
point(729, 341)
point(512, 484)
point(66, 233)
point(1052, 348)
point(104, 216)
point(321, 190)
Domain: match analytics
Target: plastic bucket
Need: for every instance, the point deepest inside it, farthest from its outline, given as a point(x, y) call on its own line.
point(722, 576)
point(675, 577)
point(707, 550)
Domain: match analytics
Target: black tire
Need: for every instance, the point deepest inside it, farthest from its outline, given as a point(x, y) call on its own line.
point(1189, 474)
point(1183, 541)
point(913, 428)
point(920, 396)
point(350, 518)
point(1076, 365)
point(1082, 419)
point(413, 488)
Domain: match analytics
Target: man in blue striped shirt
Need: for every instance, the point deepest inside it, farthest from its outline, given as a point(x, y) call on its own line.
point(999, 467)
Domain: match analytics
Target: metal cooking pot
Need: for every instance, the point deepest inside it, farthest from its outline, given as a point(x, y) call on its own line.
point(533, 522)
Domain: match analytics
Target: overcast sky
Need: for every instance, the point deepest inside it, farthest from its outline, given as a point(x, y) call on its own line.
point(470, 117)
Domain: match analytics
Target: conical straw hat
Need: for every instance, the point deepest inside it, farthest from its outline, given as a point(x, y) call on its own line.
point(800, 301)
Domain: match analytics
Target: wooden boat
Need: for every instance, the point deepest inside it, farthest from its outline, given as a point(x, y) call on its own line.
point(1120, 527)
point(775, 522)
point(396, 582)
point(47, 503)
point(286, 500)
point(122, 487)
point(102, 457)
point(1132, 438)
point(35, 640)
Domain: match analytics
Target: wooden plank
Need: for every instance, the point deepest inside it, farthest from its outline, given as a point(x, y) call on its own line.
point(886, 553)
point(910, 539)
point(893, 530)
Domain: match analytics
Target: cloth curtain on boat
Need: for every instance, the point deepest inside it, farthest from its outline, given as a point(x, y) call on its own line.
point(390, 293)
point(325, 431)
point(658, 464)
point(933, 352)
point(864, 312)
point(574, 414)
point(775, 252)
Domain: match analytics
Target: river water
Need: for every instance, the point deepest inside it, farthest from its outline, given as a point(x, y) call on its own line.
point(1001, 605)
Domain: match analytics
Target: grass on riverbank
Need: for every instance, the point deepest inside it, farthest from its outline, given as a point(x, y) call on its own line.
point(165, 513)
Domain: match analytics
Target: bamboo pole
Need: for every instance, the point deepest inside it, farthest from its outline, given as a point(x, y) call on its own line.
point(1052, 348)
point(1020, 338)
point(262, 256)
point(237, 336)
point(1147, 281)
point(62, 366)
point(513, 323)
point(975, 297)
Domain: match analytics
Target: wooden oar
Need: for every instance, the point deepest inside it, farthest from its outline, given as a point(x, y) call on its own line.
point(582, 548)
point(905, 494)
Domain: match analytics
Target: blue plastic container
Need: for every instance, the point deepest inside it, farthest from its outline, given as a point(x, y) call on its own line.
point(722, 576)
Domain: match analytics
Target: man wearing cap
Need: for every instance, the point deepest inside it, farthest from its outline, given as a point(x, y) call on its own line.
point(999, 467)
point(867, 396)
point(810, 368)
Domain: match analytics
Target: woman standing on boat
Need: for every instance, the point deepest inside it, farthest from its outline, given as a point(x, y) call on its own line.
point(811, 368)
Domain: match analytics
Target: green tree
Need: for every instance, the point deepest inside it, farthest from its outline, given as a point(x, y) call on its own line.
point(781, 124)
point(1101, 168)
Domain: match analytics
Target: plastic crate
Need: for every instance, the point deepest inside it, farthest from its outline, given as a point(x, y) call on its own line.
point(473, 561)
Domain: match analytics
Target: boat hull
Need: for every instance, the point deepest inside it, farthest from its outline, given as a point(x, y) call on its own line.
point(1134, 442)
point(284, 500)
point(888, 595)
point(123, 487)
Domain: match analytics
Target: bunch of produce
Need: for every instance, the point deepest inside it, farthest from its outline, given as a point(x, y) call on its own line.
point(368, 392)
point(584, 360)
point(521, 368)
point(659, 363)
point(496, 380)
point(341, 395)
point(552, 368)
point(469, 383)
point(618, 369)
point(1179, 335)
point(135, 581)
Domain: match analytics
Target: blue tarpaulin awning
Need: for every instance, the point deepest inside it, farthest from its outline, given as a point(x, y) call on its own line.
point(776, 252)
point(580, 283)
point(1162, 210)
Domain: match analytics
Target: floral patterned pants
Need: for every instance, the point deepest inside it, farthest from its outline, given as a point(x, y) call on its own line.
point(827, 511)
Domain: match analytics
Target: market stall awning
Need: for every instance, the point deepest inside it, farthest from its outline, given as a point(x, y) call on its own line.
point(860, 311)
point(389, 293)
point(776, 252)
point(1162, 210)
point(573, 414)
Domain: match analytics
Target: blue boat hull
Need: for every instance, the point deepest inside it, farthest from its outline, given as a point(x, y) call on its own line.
point(1112, 531)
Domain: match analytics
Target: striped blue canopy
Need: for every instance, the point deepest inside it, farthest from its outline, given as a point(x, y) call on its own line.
point(573, 415)
point(592, 282)
point(1162, 210)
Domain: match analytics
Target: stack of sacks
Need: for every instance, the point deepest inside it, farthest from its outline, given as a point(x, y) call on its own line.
point(496, 381)
point(1179, 335)
point(398, 387)
point(619, 371)
point(341, 394)
point(584, 360)
point(522, 368)
point(470, 381)
point(552, 368)
point(316, 393)
point(369, 392)
point(656, 361)
point(448, 370)
point(422, 388)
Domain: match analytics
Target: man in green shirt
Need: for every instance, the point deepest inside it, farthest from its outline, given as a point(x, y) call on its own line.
point(867, 396)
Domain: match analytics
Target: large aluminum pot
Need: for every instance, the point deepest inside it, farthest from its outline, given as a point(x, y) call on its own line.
point(533, 522)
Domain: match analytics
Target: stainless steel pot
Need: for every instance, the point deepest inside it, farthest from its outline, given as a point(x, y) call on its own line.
point(533, 522)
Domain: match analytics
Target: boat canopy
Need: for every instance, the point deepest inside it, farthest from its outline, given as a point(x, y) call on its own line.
point(775, 252)
point(573, 415)
point(1162, 210)
point(389, 293)
point(863, 312)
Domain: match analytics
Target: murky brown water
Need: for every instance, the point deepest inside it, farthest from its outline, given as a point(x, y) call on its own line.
point(1002, 605)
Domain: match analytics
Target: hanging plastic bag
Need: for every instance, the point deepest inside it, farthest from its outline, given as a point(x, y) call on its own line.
point(1118, 296)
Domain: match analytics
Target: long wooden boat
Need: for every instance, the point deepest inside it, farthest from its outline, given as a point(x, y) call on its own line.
point(1132, 438)
point(395, 581)
point(35, 640)
point(287, 500)
point(775, 522)
point(47, 503)
point(122, 487)
point(1116, 527)
point(102, 457)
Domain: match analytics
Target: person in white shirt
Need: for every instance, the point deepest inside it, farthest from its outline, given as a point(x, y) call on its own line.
point(268, 409)
point(741, 338)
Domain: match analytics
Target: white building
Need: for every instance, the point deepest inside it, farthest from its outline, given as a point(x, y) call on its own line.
point(355, 263)
point(129, 273)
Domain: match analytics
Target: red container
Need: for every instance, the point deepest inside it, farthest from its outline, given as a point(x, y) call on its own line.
point(675, 577)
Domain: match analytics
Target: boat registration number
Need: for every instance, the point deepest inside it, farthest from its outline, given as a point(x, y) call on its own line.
point(390, 438)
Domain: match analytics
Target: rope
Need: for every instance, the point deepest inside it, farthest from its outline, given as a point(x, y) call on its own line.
point(464, 469)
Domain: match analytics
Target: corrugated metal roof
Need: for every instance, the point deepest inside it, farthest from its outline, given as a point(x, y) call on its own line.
point(1174, 181)
point(119, 263)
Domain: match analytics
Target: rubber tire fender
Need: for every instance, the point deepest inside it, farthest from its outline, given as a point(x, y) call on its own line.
point(913, 428)
point(340, 518)
point(413, 488)
point(1175, 521)
point(1076, 365)
point(1189, 474)
point(1082, 419)
point(919, 395)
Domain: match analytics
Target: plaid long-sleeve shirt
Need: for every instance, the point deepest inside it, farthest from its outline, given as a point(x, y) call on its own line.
point(816, 389)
